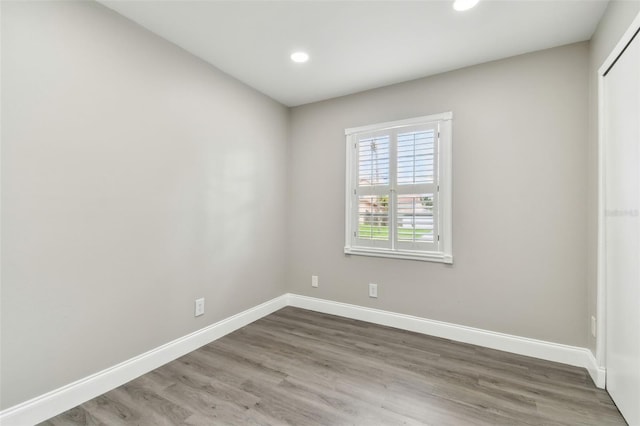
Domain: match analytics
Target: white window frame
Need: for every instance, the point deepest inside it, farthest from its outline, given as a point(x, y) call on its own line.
point(441, 250)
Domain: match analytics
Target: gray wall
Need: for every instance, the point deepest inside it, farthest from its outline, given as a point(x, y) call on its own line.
point(135, 178)
point(519, 196)
point(614, 23)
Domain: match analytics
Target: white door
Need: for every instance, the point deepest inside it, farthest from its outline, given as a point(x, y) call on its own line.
point(622, 230)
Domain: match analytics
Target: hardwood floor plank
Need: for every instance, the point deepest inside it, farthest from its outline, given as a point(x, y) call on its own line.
point(298, 367)
point(110, 411)
point(207, 404)
point(76, 416)
point(151, 407)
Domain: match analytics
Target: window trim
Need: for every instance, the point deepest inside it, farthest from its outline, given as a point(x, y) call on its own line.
point(445, 254)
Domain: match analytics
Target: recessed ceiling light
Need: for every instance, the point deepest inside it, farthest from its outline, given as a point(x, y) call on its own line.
point(461, 5)
point(299, 57)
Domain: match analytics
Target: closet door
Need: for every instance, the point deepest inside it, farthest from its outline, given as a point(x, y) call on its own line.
point(622, 230)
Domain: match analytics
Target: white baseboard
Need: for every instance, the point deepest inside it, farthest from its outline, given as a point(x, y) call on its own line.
point(598, 374)
point(571, 355)
point(59, 400)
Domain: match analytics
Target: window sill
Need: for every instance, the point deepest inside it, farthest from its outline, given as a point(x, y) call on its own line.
point(401, 254)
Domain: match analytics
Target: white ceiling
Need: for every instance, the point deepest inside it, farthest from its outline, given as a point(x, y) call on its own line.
point(357, 45)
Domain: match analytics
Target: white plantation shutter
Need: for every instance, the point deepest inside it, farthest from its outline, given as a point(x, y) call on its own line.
point(372, 189)
point(416, 156)
point(416, 188)
point(416, 223)
point(399, 189)
point(373, 160)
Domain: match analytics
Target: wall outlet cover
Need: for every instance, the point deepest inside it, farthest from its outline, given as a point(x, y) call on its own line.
point(373, 290)
point(199, 307)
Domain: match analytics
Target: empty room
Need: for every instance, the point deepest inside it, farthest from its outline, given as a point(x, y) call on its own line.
point(320, 212)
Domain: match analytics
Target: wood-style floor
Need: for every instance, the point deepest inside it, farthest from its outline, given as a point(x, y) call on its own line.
point(300, 367)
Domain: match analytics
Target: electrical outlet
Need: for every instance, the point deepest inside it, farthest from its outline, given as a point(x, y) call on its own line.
point(314, 281)
point(373, 290)
point(199, 306)
point(593, 326)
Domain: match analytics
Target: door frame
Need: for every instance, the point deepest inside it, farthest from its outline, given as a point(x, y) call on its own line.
point(601, 295)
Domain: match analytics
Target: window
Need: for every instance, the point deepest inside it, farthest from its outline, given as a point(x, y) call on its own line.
point(398, 201)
